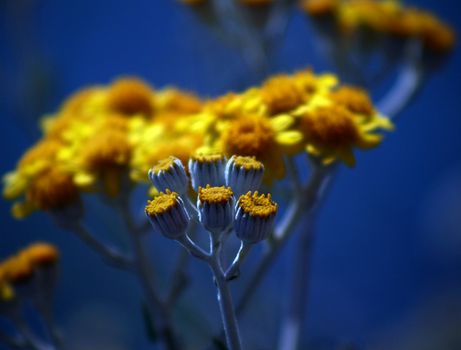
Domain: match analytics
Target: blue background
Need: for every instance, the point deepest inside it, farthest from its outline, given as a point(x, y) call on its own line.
point(387, 261)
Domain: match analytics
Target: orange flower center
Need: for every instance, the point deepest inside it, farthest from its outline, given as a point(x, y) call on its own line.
point(354, 99)
point(251, 136)
point(281, 94)
point(52, 189)
point(330, 127)
point(130, 96)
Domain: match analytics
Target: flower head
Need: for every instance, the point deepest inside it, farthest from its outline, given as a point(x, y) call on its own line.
point(331, 132)
point(41, 254)
point(243, 174)
point(281, 94)
point(207, 170)
point(254, 217)
point(20, 274)
point(216, 208)
point(169, 173)
point(130, 96)
point(51, 189)
point(167, 214)
point(354, 99)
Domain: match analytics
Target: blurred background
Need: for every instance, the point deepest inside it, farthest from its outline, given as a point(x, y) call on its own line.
point(386, 271)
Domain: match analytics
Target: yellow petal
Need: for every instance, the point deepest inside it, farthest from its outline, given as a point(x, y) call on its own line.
point(289, 137)
point(83, 179)
point(281, 122)
point(368, 141)
point(311, 149)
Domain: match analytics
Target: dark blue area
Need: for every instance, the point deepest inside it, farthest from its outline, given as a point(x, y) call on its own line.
point(375, 261)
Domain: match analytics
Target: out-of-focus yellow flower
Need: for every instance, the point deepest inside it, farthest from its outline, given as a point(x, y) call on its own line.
point(332, 132)
point(257, 136)
point(281, 94)
point(354, 99)
point(386, 17)
point(20, 268)
point(41, 254)
point(130, 96)
point(52, 189)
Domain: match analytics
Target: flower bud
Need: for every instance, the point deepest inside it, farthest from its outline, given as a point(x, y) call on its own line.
point(169, 174)
point(254, 217)
point(167, 214)
point(216, 208)
point(207, 170)
point(243, 174)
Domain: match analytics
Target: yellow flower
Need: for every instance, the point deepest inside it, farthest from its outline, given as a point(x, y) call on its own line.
point(41, 254)
point(34, 162)
point(387, 17)
point(354, 99)
point(331, 132)
point(260, 137)
point(281, 94)
point(172, 100)
point(130, 96)
point(19, 268)
point(52, 189)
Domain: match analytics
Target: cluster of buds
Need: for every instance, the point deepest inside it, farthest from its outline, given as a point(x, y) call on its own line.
point(225, 200)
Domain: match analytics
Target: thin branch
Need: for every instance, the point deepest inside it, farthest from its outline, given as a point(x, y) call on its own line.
point(111, 255)
point(234, 269)
point(408, 83)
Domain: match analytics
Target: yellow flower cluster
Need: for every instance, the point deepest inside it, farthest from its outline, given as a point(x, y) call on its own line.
point(106, 138)
point(19, 269)
point(385, 16)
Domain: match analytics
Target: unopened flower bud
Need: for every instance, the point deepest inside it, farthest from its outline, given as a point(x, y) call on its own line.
point(207, 170)
point(254, 217)
point(167, 214)
point(216, 208)
point(169, 174)
point(243, 174)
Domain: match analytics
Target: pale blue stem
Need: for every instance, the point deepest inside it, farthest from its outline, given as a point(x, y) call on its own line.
point(234, 269)
point(224, 297)
point(402, 93)
point(193, 248)
point(408, 83)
